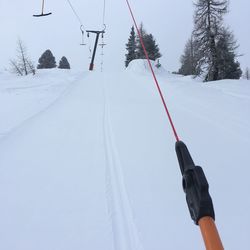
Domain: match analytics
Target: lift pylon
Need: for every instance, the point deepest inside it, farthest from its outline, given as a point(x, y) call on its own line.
point(97, 32)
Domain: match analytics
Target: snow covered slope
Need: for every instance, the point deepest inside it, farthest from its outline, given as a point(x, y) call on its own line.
point(21, 98)
point(87, 160)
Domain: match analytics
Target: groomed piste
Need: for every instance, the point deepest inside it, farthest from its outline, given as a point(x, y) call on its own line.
point(87, 159)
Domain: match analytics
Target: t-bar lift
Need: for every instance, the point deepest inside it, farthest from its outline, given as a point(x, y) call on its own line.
point(97, 32)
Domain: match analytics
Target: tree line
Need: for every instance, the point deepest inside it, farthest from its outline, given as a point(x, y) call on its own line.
point(211, 50)
point(22, 65)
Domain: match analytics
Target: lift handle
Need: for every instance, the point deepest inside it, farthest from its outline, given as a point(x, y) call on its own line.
point(194, 184)
point(198, 199)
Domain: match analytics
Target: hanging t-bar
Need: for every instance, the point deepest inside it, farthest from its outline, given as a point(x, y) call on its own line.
point(82, 31)
point(42, 13)
point(97, 32)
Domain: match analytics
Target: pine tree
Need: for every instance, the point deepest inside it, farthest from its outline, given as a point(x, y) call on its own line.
point(228, 67)
point(139, 50)
point(150, 45)
point(131, 47)
point(208, 22)
point(64, 64)
point(47, 60)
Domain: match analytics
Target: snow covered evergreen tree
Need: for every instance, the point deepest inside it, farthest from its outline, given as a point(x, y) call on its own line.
point(139, 50)
point(150, 46)
point(207, 25)
point(228, 67)
point(64, 64)
point(47, 60)
point(131, 47)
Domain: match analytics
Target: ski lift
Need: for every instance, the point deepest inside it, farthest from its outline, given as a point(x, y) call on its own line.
point(81, 28)
point(42, 13)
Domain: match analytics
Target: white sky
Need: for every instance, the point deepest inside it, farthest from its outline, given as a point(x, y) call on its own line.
point(170, 22)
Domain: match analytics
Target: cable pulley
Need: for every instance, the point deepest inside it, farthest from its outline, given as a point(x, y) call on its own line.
point(42, 12)
point(104, 27)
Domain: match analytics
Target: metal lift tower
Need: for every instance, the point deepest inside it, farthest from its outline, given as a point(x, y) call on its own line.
point(97, 32)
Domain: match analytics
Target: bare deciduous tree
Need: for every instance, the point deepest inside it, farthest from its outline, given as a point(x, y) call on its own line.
point(189, 59)
point(15, 68)
point(208, 21)
point(22, 65)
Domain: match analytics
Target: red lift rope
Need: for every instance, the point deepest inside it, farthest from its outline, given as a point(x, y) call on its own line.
point(194, 181)
point(153, 74)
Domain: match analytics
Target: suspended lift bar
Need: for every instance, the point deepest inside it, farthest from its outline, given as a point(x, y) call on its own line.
point(97, 32)
point(81, 28)
point(42, 13)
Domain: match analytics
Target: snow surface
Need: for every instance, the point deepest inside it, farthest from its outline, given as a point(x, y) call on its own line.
point(87, 160)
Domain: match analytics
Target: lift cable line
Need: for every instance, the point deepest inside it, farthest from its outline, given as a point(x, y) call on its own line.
point(153, 74)
point(96, 32)
point(75, 13)
point(104, 13)
point(194, 181)
point(42, 12)
point(79, 20)
point(102, 44)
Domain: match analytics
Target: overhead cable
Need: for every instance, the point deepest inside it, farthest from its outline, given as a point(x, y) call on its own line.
point(75, 13)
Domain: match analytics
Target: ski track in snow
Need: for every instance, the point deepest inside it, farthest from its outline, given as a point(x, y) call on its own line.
point(61, 95)
point(35, 86)
point(125, 233)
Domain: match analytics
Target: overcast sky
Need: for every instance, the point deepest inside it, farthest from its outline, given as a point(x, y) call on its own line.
point(170, 22)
